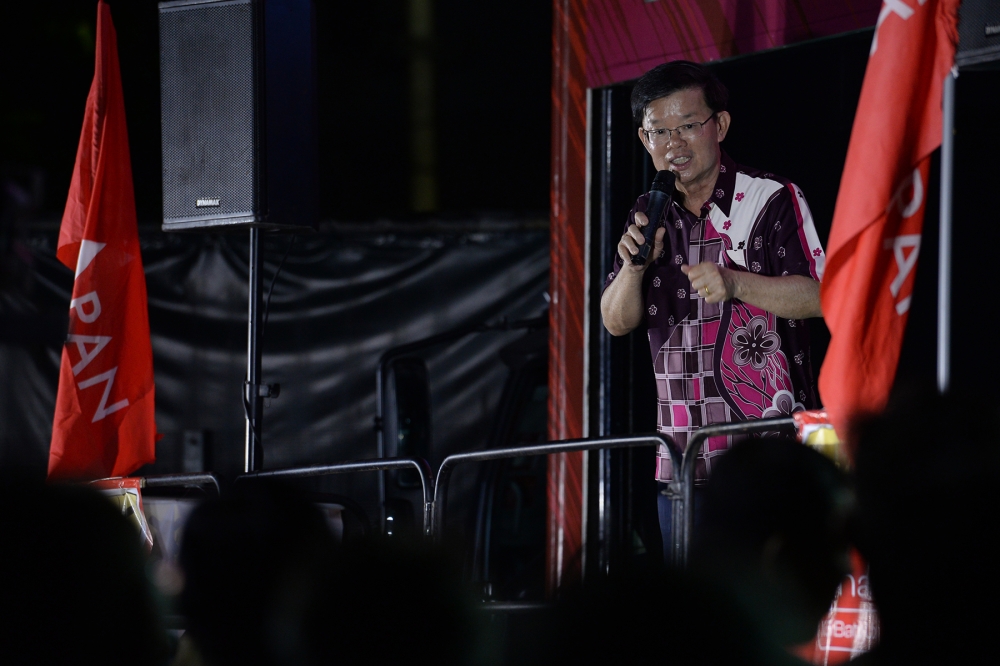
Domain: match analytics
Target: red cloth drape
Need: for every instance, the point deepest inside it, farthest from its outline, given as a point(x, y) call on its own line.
point(103, 423)
point(875, 237)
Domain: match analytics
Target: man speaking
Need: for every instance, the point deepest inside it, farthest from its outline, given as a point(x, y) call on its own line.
point(734, 271)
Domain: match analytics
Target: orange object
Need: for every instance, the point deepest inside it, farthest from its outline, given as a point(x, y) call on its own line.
point(816, 430)
point(875, 239)
point(103, 424)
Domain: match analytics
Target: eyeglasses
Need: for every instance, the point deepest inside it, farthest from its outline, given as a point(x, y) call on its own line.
point(661, 137)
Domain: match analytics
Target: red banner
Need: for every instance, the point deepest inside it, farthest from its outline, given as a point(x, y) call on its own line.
point(875, 238)
point(103, 423)
point(851, 627)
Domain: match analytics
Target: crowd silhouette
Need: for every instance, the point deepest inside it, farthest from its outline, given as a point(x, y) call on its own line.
point(266, 583)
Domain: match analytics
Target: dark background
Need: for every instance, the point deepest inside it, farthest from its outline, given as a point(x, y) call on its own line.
point(792, 107)
point(376, 274)
point(491, 71)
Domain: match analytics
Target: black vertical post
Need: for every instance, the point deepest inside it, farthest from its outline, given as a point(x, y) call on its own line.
point(251, 390)
point(605, 248)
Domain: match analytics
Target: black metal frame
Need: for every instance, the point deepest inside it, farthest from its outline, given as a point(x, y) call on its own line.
point(566, 446)
point(182, 481)
point(376, 465)
point(253, 401)
point(514, 606)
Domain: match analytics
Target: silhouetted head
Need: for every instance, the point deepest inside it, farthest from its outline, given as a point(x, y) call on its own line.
point(928, 479)
point(75, 589)
point(236, 555)
point(379, 601)
point(774, 527)
point(673, 618)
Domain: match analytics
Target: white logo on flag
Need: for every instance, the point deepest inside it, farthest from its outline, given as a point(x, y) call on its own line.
point(897, 7)
point(88, 250)
point(95, 311)
point(81, 341)
point(103, 409)
point(913, 206)
point(905, 264)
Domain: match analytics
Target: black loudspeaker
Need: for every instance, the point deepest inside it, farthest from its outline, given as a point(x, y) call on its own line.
point(238, 114)
point(978, 32)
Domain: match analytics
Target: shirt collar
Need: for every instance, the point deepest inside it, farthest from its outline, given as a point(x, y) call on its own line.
point(725, 185)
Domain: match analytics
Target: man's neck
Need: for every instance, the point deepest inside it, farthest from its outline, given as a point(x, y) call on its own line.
point(693, 196)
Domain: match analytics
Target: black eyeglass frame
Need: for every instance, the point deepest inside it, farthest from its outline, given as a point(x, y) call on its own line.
point(659, 132)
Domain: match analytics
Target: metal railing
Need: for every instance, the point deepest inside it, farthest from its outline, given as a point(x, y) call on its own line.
point(376, 465)
point(511, 607)
point(435, 492)
point(182, 481)
point(681, 487)
point(194, 480)
point(565, 446)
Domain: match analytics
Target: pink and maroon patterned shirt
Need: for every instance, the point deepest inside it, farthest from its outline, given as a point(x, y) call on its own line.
point(731, 361)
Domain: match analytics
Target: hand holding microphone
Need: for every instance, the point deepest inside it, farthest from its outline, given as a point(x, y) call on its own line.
point(660, 195)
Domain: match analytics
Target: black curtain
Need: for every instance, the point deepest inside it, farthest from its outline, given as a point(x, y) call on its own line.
point(341, 299)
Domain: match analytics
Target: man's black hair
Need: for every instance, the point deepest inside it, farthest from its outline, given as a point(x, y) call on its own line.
point(670, 77)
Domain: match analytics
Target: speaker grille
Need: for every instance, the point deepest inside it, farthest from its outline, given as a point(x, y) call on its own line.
point(208, 113)
point(978, 32)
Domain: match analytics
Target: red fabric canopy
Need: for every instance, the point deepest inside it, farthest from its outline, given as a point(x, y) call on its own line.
point(624, 38)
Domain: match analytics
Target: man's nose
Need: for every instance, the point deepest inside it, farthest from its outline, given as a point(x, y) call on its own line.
point(675, 138)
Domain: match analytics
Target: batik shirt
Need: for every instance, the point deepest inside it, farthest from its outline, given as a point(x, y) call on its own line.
point(731, 361)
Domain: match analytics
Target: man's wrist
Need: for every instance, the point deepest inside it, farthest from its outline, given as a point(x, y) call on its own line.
point(635, 270)
point(734, 279)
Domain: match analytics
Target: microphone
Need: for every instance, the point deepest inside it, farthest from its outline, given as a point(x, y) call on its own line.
point(660, 194)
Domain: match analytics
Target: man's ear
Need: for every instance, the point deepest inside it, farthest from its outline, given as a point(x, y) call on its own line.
point(723, 118)
point(645, 141)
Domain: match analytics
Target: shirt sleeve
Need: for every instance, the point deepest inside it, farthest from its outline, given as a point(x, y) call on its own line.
point(793, 246)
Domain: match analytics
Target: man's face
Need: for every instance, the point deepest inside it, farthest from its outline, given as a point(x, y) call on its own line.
point(695, 161)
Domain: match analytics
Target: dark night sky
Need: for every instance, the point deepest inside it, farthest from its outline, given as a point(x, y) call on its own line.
point(492, 70)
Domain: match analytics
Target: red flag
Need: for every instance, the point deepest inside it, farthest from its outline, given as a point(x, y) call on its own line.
point(875, 238)
point(103, 423)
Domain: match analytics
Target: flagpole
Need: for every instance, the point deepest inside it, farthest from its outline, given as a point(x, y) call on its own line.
point(944, 242)
point(253, 401)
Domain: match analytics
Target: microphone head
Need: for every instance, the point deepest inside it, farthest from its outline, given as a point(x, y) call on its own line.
point(664, 182)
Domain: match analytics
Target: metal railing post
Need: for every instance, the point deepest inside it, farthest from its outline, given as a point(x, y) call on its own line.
point(944, 231)
point(377, 465)
point(683, 529)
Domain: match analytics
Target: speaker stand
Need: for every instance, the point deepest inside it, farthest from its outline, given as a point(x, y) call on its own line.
point(253, 391)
